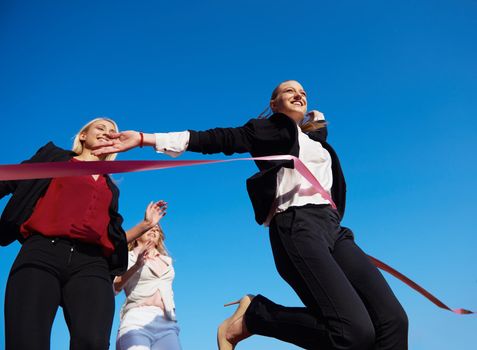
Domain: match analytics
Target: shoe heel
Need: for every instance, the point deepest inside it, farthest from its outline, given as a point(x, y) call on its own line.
point(233, 303)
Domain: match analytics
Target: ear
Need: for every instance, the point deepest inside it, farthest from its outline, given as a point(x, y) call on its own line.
point(272, 105)
point(82, 136)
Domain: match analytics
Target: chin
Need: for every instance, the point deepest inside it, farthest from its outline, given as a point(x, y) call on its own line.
point(296, 115)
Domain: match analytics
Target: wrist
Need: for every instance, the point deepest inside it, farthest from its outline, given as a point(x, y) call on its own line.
point(141, 139)
point(146, 225)
point(148, 139)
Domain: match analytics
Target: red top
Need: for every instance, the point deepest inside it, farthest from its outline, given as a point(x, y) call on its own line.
point(75, 207)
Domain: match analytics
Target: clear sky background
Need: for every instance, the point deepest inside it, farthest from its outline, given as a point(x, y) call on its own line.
point(397, 81)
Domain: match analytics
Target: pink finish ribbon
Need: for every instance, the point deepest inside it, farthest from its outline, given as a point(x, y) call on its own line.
point(417, 287)
point(60, 169)
point(27, 171)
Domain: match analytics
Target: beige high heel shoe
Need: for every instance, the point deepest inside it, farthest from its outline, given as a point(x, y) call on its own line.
point(222, 341)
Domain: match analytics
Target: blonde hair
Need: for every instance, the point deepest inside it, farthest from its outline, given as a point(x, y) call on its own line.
point(78, 144)
point(160, 246)
point(306, 125)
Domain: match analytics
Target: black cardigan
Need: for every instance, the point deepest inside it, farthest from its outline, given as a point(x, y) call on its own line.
point(264, 137)
point(26, 193)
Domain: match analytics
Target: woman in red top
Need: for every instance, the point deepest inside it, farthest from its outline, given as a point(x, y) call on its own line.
point(72, 245)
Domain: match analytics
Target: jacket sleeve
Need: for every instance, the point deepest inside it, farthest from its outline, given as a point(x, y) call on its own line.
point(223, 140)
point(8, 187)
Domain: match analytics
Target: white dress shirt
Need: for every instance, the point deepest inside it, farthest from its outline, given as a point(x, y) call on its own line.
point(292, 188)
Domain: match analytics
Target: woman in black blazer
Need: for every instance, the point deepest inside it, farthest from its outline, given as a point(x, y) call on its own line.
point(347, 302)
point(72, 244)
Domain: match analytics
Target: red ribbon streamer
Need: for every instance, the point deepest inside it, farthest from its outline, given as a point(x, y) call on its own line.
point(27, 171)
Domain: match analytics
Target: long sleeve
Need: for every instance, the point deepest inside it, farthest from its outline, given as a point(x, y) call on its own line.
point(172, 143)
point(223, 140)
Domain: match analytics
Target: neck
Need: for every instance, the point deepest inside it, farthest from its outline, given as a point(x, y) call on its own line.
point(86, 155)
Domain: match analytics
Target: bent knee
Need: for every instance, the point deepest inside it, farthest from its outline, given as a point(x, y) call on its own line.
point(363, 337)
point(398, 322)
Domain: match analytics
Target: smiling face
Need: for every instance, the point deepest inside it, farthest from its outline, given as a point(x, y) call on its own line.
point(289, 98)
point(96, 134)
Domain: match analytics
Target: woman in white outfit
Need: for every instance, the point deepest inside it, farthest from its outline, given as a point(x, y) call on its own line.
point(148, 319)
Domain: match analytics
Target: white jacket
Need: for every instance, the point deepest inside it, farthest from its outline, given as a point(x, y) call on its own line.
point(145, 282)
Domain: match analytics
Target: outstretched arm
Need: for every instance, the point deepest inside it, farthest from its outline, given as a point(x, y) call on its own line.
point(226, 140)
point(154, 213)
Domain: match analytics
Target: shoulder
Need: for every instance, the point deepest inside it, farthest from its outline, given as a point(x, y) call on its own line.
point(51, 152)
point(167, 259)
point(275, 123)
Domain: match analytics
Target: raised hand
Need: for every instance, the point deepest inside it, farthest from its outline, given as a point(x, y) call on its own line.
point(315, 116)
point(155, 212)
point(143, 254)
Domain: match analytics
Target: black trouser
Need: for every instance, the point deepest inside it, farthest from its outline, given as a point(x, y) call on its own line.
point(48, 273)
point(348, 304)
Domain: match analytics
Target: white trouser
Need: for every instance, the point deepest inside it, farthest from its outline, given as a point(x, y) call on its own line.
point(146, 328)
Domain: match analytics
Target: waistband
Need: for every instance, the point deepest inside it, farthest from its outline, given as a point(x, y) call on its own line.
point(311, 208)
point(78, 245)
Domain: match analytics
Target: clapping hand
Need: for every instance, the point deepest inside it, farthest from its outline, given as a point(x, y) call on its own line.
point(154, 213)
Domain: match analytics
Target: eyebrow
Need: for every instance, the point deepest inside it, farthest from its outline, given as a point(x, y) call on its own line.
point(291, 87)
point(104, 126)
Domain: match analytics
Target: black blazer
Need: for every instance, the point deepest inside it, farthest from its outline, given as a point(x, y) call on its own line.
point(26, 193)
point(264, 137)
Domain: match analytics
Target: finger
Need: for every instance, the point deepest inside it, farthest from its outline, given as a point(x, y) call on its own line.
point(158, 204)
point(114, 135)
point(317, 116)
point(105, 150)
point(105, 143)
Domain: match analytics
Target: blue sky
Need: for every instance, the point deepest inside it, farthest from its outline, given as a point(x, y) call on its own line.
point(397, 81)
